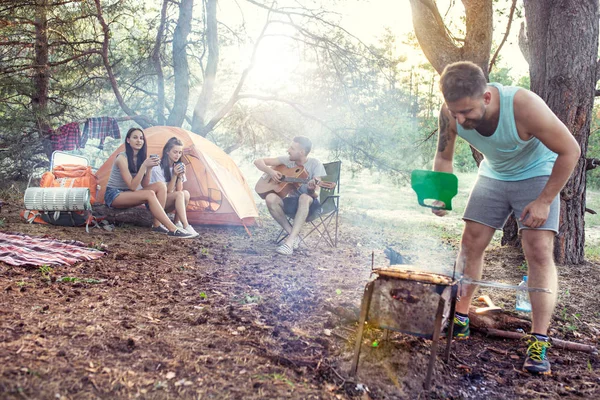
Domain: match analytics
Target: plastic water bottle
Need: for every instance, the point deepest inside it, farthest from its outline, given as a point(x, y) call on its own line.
point(523, 303)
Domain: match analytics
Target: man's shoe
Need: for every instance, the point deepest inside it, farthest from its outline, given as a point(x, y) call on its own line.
point(461, 329)
point(536, 361)
point(181, 234)
point(285, 250)
point(160, 229)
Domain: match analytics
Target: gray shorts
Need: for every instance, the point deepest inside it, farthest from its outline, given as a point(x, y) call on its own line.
point(492, 200)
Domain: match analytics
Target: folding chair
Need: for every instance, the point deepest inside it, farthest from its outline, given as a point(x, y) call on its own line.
point(327, 220)
point(60, 157)
point(330, 205)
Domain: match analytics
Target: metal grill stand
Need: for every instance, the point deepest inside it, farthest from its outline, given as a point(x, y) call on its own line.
point(406, 303)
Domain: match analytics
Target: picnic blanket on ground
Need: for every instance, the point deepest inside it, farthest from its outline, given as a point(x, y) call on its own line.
point(20, 249)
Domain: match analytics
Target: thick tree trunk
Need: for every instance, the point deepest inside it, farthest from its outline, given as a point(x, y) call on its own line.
point(181, 69)
point(510, 233)
point(160, 79)
point(440, 47)
point(210, 73)
point(563, 47)
point(41, 76)
point(139, 216)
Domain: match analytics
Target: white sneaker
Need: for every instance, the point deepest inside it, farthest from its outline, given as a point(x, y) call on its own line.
point(190, 229)
point(179, 225)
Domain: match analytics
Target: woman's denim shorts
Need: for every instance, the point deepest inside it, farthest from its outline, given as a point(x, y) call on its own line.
point(111, 194)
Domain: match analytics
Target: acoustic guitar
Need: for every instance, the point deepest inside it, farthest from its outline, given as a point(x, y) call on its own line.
point(292, 179)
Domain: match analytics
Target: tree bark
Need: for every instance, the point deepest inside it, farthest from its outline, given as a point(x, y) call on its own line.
point(181, 69)
point(563, 46)
point(210, 72)
point(111, 76)
point(440, 47)
point(160, 79)
point(41, 76)
point(139, 216)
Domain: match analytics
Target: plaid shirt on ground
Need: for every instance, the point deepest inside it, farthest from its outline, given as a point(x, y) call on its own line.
point(66, 137)
point(100, 128)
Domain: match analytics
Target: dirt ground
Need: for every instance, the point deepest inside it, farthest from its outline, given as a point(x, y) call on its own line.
point(224, 317)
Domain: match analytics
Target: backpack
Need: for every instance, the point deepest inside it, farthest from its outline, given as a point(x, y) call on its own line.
point(67, 175)
point(70, 175)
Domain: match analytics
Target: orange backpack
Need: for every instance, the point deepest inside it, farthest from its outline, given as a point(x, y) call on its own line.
point(67, 175)
point(70, 175)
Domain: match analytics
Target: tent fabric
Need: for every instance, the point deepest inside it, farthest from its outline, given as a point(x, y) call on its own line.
point(219, 193)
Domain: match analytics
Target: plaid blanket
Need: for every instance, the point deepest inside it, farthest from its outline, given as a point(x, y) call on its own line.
point(20, 249)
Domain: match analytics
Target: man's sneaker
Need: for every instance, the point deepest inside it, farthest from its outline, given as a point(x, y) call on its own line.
point(536, 361)
point(461, 329)
point(181, 234)
point(160, 229)
point(285, 250)
point(190, 229)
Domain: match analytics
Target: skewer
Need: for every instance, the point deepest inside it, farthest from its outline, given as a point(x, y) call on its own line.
point(502, 285)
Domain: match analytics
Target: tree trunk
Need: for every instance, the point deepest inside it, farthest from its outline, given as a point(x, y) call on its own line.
point(41, 76)
point(563, 46)
point(139, 216)
point(180, 64)
point(160, 79)
point(210, 73)
point(142, 121)
point(440, 47)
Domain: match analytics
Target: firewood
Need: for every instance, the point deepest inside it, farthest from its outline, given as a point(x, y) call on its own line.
point(413, 275)
point(501, 320)
point(556, 343)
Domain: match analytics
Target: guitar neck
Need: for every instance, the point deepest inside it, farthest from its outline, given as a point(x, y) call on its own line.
point(295, 180)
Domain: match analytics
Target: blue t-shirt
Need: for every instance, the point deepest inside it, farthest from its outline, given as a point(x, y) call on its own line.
point(507, 157)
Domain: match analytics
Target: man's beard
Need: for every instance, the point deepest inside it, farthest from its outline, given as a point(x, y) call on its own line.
point(474, 123)
point(470, 124)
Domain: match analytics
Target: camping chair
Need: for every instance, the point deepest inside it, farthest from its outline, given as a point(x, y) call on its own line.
point(60, 157)
point(326, 221)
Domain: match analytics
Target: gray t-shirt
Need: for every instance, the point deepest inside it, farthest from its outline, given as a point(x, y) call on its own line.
point(313, 167)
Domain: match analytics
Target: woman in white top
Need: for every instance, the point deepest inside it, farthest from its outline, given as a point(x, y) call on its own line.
point(172, 172)
point(127, 177)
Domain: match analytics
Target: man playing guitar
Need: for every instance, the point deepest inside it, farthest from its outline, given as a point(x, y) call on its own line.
point(304, 201)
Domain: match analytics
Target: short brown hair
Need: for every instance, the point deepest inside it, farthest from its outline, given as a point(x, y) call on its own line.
point(305, 143)
point(462, 79)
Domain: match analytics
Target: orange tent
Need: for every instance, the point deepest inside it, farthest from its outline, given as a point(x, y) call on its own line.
point(219, 194)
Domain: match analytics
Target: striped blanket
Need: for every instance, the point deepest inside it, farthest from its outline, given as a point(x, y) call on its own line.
point(19, 249)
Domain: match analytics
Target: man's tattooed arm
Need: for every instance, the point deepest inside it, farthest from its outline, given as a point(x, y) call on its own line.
point(444, 131)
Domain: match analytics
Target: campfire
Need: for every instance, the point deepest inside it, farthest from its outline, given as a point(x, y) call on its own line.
point(406, 298)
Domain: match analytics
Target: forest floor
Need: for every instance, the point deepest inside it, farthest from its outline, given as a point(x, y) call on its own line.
point(223, 316)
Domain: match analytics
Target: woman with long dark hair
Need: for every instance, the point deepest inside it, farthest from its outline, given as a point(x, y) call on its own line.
point(171, 171)
point(129, 184)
